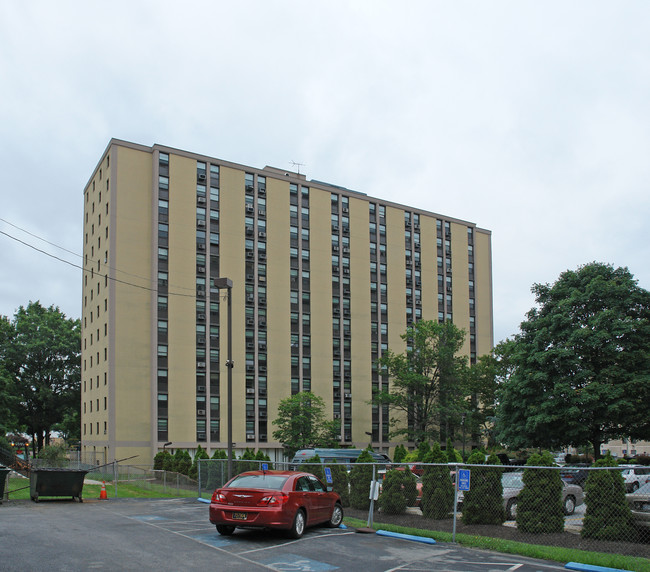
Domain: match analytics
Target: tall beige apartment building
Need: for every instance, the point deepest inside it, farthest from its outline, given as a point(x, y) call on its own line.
point(324, 279)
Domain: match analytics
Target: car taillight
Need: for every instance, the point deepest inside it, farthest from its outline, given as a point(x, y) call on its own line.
point(273, 500)
point(218, 497)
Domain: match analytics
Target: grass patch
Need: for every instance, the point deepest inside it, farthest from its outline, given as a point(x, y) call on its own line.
point(557, 554)
point(19, 490)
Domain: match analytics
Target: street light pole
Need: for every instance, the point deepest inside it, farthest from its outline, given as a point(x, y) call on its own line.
point(227, 283)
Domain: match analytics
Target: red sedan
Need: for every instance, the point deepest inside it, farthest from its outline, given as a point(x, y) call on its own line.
point(285, 500)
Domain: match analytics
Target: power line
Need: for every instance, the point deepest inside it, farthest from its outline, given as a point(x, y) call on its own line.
point(106, 276)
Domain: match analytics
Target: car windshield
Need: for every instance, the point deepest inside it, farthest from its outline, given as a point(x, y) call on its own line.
point(512, 481)
point(273, 482)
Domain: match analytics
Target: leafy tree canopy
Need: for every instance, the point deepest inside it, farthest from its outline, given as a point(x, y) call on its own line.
point(428, 381)
point(301, 424)
point(579, 371)
point(40, 355)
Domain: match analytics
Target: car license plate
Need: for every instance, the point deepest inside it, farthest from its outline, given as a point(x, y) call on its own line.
point(239, 516)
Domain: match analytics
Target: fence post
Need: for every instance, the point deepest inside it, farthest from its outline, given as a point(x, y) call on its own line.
point(115, 476)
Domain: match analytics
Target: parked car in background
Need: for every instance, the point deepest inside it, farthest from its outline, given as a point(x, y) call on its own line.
point(635, 477)
point(574, 476)
point(513, 484)
point(284, 500)
point(639, 503)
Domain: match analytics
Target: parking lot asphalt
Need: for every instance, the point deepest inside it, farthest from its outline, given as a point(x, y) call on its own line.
point(175, 534)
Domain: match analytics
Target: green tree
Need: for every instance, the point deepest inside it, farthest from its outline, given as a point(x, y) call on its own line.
point(428, 381)
point(483, 503)
point(41, 370)
point(539, 504)
point(392, 499)
point(437, 488)
point(301, 424)
point(360, 478)
point(201, 453)
point(341, 482)
point(608, 515)
point(400, 453)
point(578, 372)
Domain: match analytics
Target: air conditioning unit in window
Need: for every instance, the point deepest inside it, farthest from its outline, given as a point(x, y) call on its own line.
point(347, 396)
point(200, 246)
point(335, 227)
point(200, 199)
point(200, 412)
point(407, 224)
point(250, 208)
point(201, 316)
point(250, 345)
point(261, 278)
point(262, 369)
point(200, 436)
point(337, 416)
point(261, 212)
point(262, 255)
point(417, 246)
point(346, 270)
point(201, 176)
point(200, 364)
point(262, 234)
point(250, 321)
point(250, 390)
point(345, 209)
point(250, 367)
point(335, 248)
point(201, 269)
point(346, 250)
point(250, 254)
point(261, 191)
point(249, 277)
point(200, 388)
point(249, 230)
point(249, 188)
point(262, 323)
point(200, 222)
point(250, 436)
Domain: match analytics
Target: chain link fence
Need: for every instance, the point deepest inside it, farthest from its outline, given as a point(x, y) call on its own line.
point(599, 509)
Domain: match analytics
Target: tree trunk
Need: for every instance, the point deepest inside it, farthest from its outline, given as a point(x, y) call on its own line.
point(595, 443)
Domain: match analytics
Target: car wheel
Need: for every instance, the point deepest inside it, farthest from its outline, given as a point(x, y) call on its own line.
point(225, 530)
point(635, 486)
point(298, 526)
point(511, 509)
point(569, 505)
point(337, 516)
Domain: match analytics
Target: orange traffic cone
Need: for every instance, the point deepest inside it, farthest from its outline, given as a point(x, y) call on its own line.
point(103, 495)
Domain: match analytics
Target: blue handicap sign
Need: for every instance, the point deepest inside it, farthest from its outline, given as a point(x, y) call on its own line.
point(328, 475)
point(463, 479)
point(265, 466)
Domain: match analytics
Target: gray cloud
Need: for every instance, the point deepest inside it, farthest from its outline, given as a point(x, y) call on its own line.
point(529, 119)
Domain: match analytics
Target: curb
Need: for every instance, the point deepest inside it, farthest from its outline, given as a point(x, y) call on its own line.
point(423, 539)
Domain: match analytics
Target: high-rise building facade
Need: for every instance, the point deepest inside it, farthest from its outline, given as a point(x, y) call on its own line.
point(324, 279)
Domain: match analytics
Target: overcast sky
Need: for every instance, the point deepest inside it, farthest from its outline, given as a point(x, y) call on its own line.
point(530, 119)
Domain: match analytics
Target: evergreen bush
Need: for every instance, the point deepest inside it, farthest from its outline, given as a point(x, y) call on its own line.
point(400, 453)
point(392, 499)
point(437, 488)
point(360, 477)
point(200, 454)
point(483, 503)
point(608, 515)
point(539, 504)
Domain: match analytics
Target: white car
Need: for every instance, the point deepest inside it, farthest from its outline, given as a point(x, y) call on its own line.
point(635, 477)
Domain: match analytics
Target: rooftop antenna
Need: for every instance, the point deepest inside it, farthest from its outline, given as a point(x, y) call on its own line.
point(297, 166)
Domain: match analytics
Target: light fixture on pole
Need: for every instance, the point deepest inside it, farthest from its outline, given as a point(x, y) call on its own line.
point(227, 283)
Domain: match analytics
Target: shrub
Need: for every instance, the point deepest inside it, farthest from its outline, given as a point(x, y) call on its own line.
point(400, 453)
point(341, 482)
point(392, 499)
point(159, 460)
point(200, 454)
point(539, 504)
point(437, 488)
point(608, 515)
point(182, 462)
point(360, 477)
point(53, 456)
point(483, 503)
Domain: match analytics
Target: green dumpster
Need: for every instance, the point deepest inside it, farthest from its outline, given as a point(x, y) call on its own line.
point(4, 471)
point(56, 483)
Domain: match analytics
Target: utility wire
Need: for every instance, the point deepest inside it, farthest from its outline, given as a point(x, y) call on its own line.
point(117, 280)
point(146, 279)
